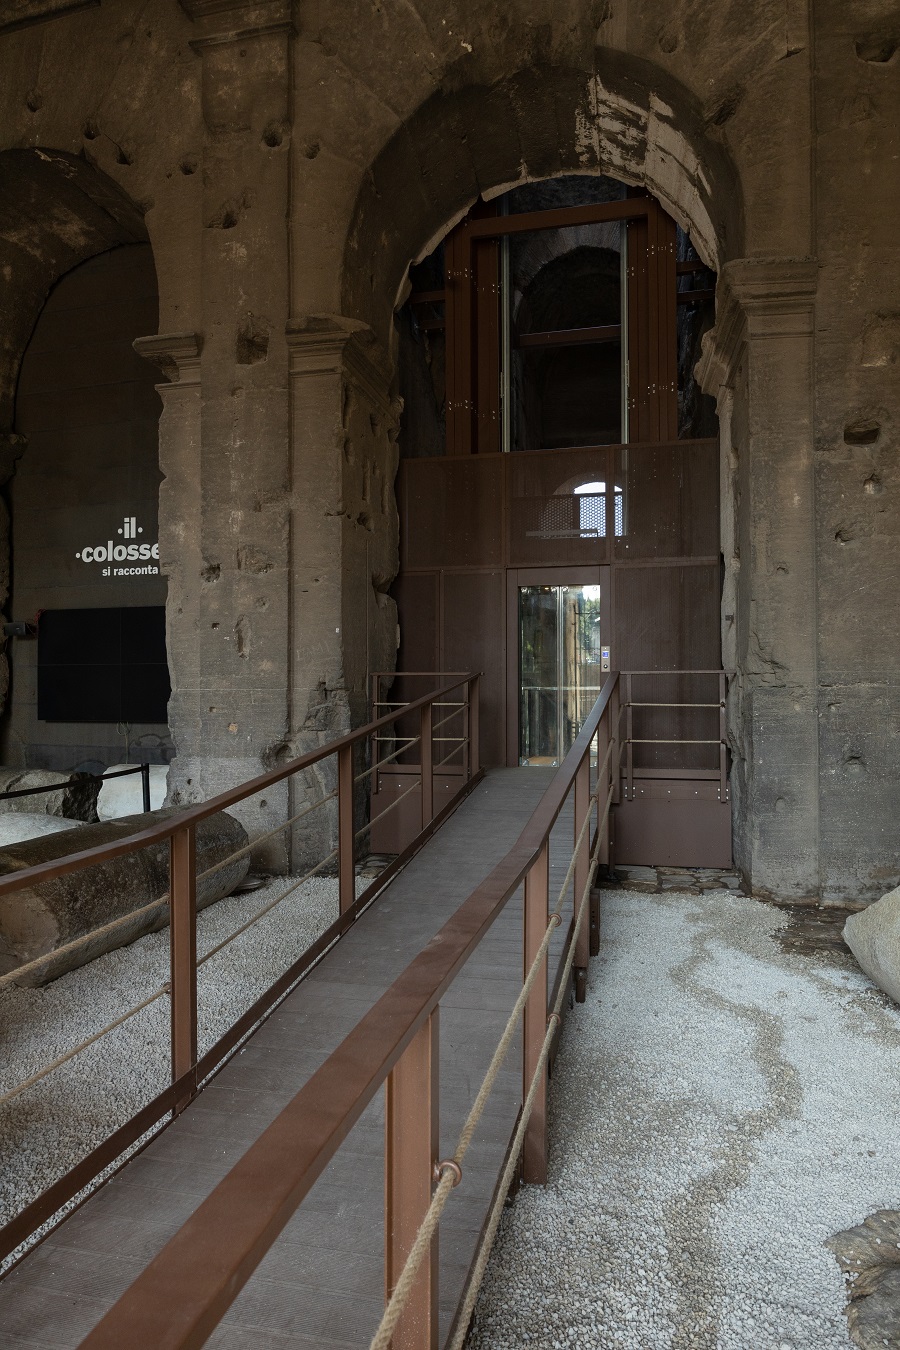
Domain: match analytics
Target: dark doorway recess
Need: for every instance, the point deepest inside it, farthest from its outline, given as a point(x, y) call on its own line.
point(84, 521)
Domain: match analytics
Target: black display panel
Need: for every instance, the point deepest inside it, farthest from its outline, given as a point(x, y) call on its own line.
point(103, 665)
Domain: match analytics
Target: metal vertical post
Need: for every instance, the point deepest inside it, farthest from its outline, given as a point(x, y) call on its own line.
point(723, 785)
point(376, 713)
point(426, 748)
point(615, 731)
point(605, 757)
point(465, 732)
point(474, 748)
point(411, 1143)
point(145, 785)
point(183, 956)
point(346, 870)
point(582, 808)
point(534, 1022)
point(629, 740)
point(604, 774)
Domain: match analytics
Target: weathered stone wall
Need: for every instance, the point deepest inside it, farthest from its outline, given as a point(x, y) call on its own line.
point(288, 162)
point(857, 445)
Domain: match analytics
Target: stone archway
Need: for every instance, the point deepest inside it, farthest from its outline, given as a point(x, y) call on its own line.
point(56, 212)
point(626, 119)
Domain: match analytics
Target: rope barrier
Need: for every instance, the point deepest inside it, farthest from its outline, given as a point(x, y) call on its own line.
point(386, 759)
point(451, 1168)
point(261, 838)
point(261, 913)
point(489, 1233)
point(11, 975)
point(70, 1054)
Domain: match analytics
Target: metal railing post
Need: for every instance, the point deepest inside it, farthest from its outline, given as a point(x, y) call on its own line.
point(604, 774)
point(534, 1023)
point(474, 724)
point(723, 782)
point(411, 1143)
point(145, 785)
point(615, 730)
point(346, 842)
point(426, 719)
point(629, 734)
point(373, 740)
point(183, 956)
point(582, 793)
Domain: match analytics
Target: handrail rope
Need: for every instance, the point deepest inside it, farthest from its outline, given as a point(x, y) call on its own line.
point(717, 706)
point(201, 961)
point(444, 720)
point(381, 815)
point(464, 740)
point(10, 976)
point(70, 1054)
point(490, 1230)
point(436, 704)
point(192, 815)
point(595, 796)
point(261, 838)
point(415, 787)
point(450, 1174)
point(63, 1059)
point(663, 740)
point(385, 759)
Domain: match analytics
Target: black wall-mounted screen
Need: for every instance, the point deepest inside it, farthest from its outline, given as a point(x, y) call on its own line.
point(103, 665)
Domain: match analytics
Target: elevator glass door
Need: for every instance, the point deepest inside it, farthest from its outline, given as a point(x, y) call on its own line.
point(560, 662)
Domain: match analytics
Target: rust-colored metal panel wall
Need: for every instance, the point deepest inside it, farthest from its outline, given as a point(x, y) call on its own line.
point(418, 599)
point(452, 513)
point(473, 638)
point(671, 500)
point(667, 617)
point(548, 522)
point(393, 828)
point(673, 824)
point(494, 513)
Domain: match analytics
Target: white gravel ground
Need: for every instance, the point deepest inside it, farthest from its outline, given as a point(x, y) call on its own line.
point(50, 1126)
point(719, 1109)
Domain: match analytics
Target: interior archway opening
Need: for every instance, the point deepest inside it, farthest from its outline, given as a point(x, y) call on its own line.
point(85, 643)
point(559, 482)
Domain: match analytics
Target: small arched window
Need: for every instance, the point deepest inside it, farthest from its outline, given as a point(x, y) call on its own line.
point(592, 510)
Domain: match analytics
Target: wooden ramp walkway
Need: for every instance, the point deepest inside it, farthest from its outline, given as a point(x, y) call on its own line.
point(321, 1284)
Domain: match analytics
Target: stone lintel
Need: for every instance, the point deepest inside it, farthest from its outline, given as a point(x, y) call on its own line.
point(176, 354)
point(342, 347)
point(15, 14)
point(756, 298)
point(237, 21)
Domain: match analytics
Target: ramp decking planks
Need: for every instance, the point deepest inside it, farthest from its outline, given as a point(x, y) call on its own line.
point(321, 1284)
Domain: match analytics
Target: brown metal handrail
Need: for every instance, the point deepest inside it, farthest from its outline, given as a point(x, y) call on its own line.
point(629, 703)
point(183, 1293)
point(189, 1070)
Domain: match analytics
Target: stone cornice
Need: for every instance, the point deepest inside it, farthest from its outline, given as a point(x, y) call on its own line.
point(340, 346)
point(756, 298)
point(176, 354)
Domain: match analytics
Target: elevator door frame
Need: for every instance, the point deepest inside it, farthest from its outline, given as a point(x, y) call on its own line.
point(543, 576)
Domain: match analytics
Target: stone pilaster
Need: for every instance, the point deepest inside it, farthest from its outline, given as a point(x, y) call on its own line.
point(344, 526)
point(759, 364)
point(226, 504)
